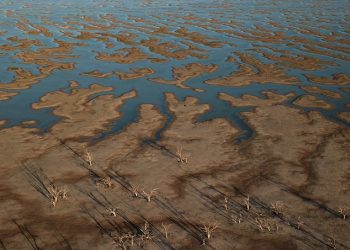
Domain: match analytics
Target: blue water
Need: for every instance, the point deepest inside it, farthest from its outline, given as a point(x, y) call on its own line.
point(326, 16)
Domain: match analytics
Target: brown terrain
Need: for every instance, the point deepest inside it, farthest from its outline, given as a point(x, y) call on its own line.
point(266, 73)
point(286, 187)
point(318, 90)
point(280, 189)
point(182, 74)
point(310, 101)
point(135, 73)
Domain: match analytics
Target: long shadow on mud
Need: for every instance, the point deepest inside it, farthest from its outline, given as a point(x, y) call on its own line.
point(311, 201)
point(31, 238)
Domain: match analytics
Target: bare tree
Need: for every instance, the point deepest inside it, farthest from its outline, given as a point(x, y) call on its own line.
point(209, 229)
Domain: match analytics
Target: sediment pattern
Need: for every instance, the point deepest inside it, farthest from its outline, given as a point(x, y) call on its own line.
point(182, 125)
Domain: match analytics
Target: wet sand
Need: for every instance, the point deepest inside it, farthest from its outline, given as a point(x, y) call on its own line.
point(318, 90)
point(23, 78)
point(79, 108)
point(339, 79)
point(249, 100)
point(298, 61)
point(171, 50)
point(6, 95)
point(286, 187)
point(345, 116)
point(310, 101)
point(267, 73)
point(278, 165)
point(96, 73)
point(135, 73)
point(125, 56)
point(182, 74)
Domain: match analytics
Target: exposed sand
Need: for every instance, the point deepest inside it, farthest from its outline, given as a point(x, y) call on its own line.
point(22, 144)
point(125, 56)
point(182, 74)
point(230, 59)
point(333, 37)
point(287, 187)
point(116, 149)
point(310, 101)
point(345, 116)
point(339, 79)
point(123, 37)
point(318, 51)
point(171, 50)
point(29, 123)
point(62, 51)
point(267, 73)
point(80, 107)
point(24, 79)
point(289, 160)
point(192, 36)
point(298, 61)
point(6, 95)
point(32, 29)
point(2, 123)
point(96, 73)
point(249, 100)
point(135, 73)
point(21, 44)
point(318, 90)
point(279, 37)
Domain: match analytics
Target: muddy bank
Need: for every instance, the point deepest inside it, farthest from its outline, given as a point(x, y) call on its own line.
point(83, 114)
point(135, 73)
point(318, 90)
point(338, 78)
point(310, 101)
point(245, 75)
point(250, 100)
point(6, 95)
point(182, 74)
point(202, 177)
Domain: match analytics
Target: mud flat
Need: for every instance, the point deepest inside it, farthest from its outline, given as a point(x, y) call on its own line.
point(42, 55)
point(318, 90)
point(298, 61)
point(81, 185)
point(23, 79)
point(22, 143)
point(108, 196)
point(335, 79)
point(267, 73)
point(76, 108)
point(171, 50)
point(345, 116)
point(42, 58)
point(32, 29)
point(6, 95)
point(21, 44)
point(135, 73)
point(310, 101)
point(195, 37)
point(96, 73)
point(316, 50)
point(125, 56)
point(250, 100)
point(182, 74)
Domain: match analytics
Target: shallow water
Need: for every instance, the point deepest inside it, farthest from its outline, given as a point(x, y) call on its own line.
point(324, 16)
